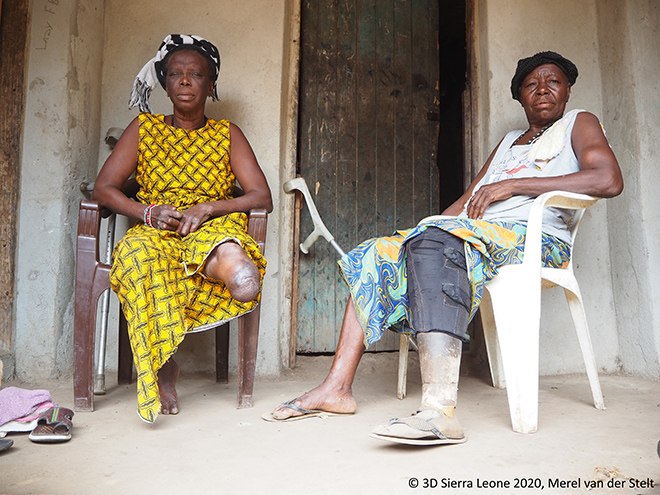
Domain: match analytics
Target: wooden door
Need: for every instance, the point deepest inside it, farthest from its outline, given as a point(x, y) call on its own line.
point(368, 134)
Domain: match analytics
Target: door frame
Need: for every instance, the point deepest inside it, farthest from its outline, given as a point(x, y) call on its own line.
point(14, 23)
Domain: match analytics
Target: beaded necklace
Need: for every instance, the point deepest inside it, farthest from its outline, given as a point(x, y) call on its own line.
point(534, 138)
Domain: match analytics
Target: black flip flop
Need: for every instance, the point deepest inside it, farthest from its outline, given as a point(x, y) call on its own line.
point(5, 443)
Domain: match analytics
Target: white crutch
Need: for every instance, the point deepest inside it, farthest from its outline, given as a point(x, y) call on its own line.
point(320, 230)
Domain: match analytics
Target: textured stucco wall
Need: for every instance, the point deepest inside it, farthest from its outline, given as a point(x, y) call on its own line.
point(60, 149)
point(629, 38)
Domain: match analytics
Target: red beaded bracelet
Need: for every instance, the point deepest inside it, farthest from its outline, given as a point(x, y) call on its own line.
point(147, 215)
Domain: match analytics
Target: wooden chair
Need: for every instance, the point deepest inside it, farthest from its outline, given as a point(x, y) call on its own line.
point(92, 279)
point(511, 316)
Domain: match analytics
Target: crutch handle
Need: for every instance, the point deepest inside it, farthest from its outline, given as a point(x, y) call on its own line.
point(320, 230)
point(311, 239)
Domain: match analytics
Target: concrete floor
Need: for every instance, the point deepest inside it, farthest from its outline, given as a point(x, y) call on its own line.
point(211, 447)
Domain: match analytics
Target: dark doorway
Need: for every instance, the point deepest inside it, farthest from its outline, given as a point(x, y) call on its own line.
point(453, 78)
point(380, 135)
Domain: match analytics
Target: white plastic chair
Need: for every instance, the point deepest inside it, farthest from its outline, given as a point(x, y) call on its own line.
point(511, 317)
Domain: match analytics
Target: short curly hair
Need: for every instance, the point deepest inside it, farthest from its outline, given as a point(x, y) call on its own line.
point(527, 65)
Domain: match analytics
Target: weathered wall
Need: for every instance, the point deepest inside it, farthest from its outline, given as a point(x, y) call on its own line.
point(60, 149)
point(513, 29)
point(629, 39)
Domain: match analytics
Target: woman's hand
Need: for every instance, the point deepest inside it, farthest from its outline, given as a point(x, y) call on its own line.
point(192, 218)
point(165, 217)
point(488, 194)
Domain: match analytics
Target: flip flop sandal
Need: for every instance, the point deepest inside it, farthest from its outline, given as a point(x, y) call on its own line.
point(5, 443)
point(306, 413)
point(53, 426)
point(434, 435)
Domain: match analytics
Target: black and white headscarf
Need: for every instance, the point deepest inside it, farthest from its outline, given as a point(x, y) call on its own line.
point(154, 70)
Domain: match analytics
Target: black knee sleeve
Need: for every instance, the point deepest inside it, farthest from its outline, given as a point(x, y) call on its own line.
point(438, 285)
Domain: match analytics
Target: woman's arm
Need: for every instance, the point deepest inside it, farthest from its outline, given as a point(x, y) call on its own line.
point(599, 173)
point(251, 178)
point(115, 172)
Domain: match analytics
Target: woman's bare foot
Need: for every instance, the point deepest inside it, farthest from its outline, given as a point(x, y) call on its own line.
point(167, 376)
point(323, 398)
point(335, 394)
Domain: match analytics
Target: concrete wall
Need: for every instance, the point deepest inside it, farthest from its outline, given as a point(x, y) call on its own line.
point(60, 149)
point(629, 39)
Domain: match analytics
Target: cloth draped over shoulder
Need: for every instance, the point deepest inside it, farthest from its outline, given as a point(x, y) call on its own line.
point(157, 273)
point(375, 271)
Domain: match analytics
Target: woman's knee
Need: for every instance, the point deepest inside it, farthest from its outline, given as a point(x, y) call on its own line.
point(245, 282)
point(230, 264)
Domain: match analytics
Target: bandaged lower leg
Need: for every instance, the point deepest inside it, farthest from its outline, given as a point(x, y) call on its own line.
point(435, 423)
point(439, 305)
point(440, 361)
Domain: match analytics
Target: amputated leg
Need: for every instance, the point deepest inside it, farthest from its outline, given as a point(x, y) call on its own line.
point(229, 263)
point(439, 306)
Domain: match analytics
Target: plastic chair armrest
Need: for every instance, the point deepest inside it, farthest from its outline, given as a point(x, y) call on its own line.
point(257, 223)
point(561, 199)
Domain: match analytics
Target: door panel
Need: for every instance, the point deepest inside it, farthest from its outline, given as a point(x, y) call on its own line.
point(368, 136)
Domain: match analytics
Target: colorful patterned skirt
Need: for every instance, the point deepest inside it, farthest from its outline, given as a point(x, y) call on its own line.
point(157, 277)
point(375, 271)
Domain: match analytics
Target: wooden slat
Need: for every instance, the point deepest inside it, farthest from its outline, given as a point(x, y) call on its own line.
point(307, 153)
point(324, 191)
point(346, 138)
point(425, 75)
point(13, 36)
point(405, 191)
point(367, 116)
point(385, 168)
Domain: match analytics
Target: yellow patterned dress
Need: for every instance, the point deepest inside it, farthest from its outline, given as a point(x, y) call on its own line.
point(156, 273)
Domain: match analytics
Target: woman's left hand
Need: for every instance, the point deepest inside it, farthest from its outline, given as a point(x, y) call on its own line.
point(192, 218)
point(488, 194)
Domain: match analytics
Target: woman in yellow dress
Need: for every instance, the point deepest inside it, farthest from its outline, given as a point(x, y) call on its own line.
point(189, 264)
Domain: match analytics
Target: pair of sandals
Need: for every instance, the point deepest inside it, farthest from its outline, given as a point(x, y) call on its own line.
point(425, 427)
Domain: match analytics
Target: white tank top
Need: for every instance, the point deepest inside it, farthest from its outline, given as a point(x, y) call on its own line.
point(512, 162)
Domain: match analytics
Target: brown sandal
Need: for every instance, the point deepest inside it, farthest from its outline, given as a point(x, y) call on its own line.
point(53, 426)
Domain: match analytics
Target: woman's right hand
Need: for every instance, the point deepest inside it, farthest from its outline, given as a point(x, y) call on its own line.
point(165, 217)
